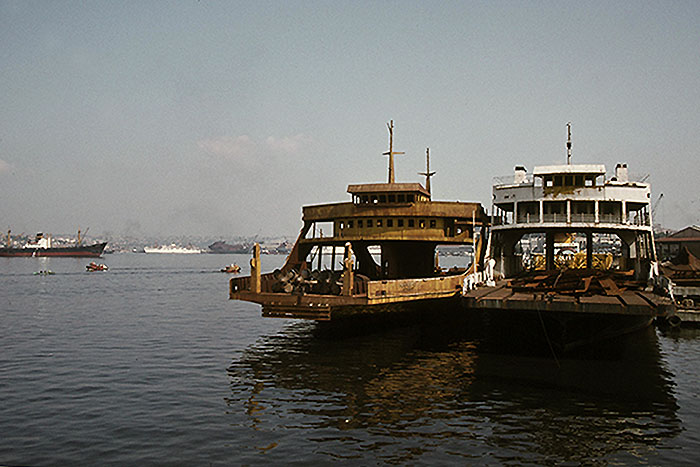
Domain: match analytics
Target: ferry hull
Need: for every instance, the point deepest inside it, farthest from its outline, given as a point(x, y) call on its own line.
point(562, 331)
point(376, 297)
point(90, 251)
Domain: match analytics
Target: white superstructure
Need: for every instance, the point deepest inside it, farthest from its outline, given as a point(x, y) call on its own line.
point(172, 249)
point(578, 199)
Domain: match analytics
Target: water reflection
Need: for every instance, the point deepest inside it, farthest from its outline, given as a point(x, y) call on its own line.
point(423, 391)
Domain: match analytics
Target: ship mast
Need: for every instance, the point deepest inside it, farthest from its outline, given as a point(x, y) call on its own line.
point(427, 172)
point(391, 151)
point(568, 144)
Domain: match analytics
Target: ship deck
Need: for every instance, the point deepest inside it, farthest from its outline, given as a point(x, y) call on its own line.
point(612, 301)
point(367, 297)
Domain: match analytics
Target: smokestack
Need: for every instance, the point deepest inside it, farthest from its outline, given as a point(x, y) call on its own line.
point(621, 173)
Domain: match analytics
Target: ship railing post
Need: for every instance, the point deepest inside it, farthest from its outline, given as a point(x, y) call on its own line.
point(348, 273)
point(255, 269)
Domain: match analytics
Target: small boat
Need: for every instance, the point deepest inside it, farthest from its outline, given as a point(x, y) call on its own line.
point(93, 266)
point(44, 272)
point(232, 269)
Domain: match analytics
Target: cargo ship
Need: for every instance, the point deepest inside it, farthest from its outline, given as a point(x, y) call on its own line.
point(43, 246)
point(373, 254)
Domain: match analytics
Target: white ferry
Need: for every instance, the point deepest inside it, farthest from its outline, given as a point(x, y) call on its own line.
point(573, 286)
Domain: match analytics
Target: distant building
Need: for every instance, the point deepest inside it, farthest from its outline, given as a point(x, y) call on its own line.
point(669, 247)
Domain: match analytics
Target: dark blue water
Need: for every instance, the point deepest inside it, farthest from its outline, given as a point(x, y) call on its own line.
point(149, 363)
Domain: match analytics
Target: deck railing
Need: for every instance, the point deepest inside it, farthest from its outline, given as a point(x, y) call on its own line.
point(588, 218)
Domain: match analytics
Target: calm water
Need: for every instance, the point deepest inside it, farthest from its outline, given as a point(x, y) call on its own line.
point(149, 363)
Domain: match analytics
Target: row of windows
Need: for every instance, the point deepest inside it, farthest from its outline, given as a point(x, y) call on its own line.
point(370, 223)
point(570, 180)
point(395, 198)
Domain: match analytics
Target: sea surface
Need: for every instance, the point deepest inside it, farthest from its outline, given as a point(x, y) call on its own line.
point(149, 363)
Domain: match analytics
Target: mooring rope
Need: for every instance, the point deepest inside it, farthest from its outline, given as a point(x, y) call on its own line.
point(551, 348)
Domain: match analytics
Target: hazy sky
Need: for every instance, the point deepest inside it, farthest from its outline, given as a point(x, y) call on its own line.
point(224, 118)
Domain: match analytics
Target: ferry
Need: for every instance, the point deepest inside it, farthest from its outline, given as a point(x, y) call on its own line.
point(595, 289)
point(374, 253)
point(172, 249)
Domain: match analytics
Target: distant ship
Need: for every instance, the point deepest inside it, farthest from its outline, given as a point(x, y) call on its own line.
point(172, 249)
point(42, 246)
point(223, 247)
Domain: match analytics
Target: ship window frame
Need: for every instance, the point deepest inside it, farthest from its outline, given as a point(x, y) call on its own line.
point(379, 223)
point(350, 224)
point(399, 223)
point(411, 223)
point(568, 180)
point(359, 223)
point(382, 199)
point(409, 198)
point(400, 198)
point(369, 223)
point(433, 223)
point(392, 198)
point(421, 223)
point(390, 222)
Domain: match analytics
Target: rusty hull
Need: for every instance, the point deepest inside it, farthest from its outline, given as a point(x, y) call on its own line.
point(377, 295)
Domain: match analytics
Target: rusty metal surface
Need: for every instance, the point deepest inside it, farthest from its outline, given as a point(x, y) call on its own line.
point(387, 187)
point(573, 291)
point(452, 209)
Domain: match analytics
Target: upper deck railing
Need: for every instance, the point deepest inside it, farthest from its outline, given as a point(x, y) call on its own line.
point(530, 180)
point(634, 219)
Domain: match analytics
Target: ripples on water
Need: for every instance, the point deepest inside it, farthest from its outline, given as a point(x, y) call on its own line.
point(150, 364)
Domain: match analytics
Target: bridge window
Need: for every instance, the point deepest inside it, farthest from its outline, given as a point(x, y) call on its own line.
point(392, 198)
